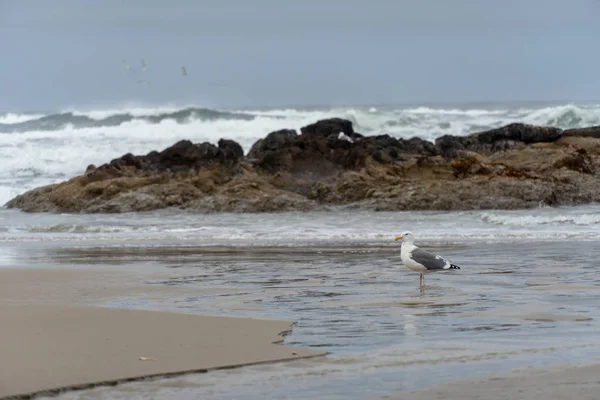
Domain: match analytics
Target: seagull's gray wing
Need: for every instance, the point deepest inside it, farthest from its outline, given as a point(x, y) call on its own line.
point(429, 260)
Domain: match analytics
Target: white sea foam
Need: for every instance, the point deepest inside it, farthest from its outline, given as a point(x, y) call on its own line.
point(533, 220)
point(12, 118)
point(134, 111)
point(299, 229)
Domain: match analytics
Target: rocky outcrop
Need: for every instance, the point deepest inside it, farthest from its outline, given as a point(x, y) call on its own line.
point(515, 166)
point(505, 138)
point(592, 131)
point(182, 156)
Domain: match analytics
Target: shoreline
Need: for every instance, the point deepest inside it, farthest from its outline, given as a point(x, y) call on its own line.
point(50, 346)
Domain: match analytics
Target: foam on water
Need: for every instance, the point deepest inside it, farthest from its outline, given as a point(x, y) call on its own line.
point(42, 149)
point(362, 228)
point(134, 111)
point(529, 220)
point(12, 118)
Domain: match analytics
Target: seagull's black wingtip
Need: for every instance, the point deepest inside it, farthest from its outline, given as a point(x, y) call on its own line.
point(452, 266)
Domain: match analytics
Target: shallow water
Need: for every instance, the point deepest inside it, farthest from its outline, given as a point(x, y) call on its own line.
point(527, 292)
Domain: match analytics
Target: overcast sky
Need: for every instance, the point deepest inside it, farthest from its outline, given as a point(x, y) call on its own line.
point(68, 53)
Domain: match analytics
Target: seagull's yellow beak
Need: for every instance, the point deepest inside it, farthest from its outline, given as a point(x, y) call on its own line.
point(398, 238)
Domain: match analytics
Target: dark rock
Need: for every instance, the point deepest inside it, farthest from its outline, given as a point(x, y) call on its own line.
point(500, 139)
point(518, 132)
point(184, 154)
point(90, 168)
point(449, 145)
point(592, 131)
point(319, 150)
point(382, 157)
point(419, 146)
point(274, 151)
point(129, 160)
point(326, 127)
point(273, 141)
point(230, 150)
point(385, 149)
point(384, 141)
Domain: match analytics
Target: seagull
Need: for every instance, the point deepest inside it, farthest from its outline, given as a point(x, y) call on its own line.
point(143, 64)
point(420, 260)
point(343, 136)
point(183, 71)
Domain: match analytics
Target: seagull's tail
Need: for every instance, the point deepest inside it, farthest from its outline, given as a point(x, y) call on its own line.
point(452, 266)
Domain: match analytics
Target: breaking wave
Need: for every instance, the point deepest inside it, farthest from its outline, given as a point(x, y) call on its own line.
point(459, 121)
point(526, 221)
point(53, 122)
point(356, 228)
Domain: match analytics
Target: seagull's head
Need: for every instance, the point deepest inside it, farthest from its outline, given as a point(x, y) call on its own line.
point(405, 237)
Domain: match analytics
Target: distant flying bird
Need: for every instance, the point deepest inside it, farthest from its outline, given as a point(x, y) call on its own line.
point(129, 67)
point(183, 71)
point(143, 64)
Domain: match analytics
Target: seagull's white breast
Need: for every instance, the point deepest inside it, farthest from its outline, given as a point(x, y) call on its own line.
point(409, 263)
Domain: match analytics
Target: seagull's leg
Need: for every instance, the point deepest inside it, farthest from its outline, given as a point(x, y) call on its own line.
point(422, 279)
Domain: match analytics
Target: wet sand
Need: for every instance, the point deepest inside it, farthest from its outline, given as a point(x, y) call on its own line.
point(52, 342)
point(556, 382)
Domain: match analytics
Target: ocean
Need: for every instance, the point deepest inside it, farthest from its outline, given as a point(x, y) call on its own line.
point(525, 294)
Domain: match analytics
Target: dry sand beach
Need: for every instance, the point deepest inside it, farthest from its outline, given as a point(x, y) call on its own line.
point(51, 343)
